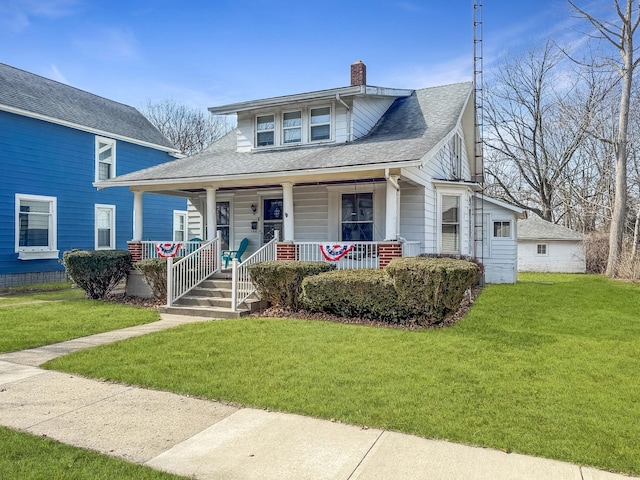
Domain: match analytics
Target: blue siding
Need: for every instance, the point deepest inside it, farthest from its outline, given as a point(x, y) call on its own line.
point(41, 158)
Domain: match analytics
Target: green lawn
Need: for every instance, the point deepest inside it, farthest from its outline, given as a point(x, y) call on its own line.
point(32, 320)
point(546, 367)
point(27, 457)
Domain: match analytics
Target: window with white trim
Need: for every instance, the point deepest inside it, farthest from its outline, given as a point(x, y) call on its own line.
point(450, 224)
point(105, 158)
point(541, 249)
point(502, 229)
point(35, 227)
point(357, 217)
point(179, 225)
point(292, 127)
point(105, 227)
point(320, 124)
point(223, 222)
point(455, 149)
point(265, 130)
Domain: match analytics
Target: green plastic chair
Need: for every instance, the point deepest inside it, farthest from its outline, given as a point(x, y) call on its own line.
point(228, 255)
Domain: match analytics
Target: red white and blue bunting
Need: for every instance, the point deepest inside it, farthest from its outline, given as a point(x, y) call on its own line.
point(167, 250)
point(333, 252)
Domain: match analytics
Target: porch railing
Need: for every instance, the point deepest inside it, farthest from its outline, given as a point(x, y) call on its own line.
point(192, 269)
point(149, 249)
point(241, 285)
point(362, 255)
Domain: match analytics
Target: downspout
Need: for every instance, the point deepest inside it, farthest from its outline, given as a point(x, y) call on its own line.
point(348, 116)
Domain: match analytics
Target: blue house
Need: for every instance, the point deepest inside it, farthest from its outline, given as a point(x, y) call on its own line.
point(55, 142)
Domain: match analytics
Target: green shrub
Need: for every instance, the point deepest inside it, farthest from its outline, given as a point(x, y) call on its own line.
point(97, 272)
point(366, 293)
point(155, 273)
point(280, 281)
point(432, 287)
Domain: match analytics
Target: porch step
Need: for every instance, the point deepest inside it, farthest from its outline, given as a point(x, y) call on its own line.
point(209, 312)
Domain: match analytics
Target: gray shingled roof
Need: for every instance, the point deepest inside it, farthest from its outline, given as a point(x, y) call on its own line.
point(535, 228)
point(41, 96)
point(407, 131)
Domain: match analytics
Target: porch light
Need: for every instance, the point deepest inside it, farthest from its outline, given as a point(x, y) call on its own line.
point(253, 208)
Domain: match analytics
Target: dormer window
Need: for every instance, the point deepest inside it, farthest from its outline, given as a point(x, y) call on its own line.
point(265, 128)
point(320, 124)
point(292, 127)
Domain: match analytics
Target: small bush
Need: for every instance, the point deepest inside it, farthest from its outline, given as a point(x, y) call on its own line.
point(363, 293)
point(432, 287)
point(596, 249)
point(280, 281)
point(155, 273)
point(97, 272)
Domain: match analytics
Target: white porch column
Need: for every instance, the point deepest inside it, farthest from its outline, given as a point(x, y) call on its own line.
point(210, 222)
point(287, 203)
point(392, 222)
point(137, 217)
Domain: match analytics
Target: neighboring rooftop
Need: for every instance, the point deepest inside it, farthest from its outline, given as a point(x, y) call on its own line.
point(28, 94)
point(410, 128)
point(535, 228)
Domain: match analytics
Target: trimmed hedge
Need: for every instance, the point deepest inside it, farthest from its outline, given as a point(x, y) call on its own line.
point(432, 287)
point(366, 293)
point(280, 281)
point(97, 272)
point(155, 273)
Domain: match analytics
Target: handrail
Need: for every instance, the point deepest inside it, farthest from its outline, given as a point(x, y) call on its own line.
point(192, 269)
point(241, 284)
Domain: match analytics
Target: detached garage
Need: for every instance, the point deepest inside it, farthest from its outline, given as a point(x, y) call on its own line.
point(546, 247)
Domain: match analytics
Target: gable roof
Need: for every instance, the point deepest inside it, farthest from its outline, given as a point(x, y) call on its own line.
point(34, 96)
point(535, 228)
point(410, 128)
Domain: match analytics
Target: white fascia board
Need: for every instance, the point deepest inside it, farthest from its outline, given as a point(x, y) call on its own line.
point(476, 187)
point(308, 96)
point(252, 176)
point(77, 126)
point(520, 212)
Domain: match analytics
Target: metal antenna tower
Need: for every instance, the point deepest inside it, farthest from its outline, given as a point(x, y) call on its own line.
point(478, 164)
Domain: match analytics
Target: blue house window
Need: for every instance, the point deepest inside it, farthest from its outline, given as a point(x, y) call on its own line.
point(105, 234)
point(105, 158)
point(35, 227)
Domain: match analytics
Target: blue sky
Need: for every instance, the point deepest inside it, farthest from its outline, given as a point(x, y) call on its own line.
point(207, 53)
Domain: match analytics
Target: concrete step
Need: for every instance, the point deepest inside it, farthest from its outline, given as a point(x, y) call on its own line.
point(203, 301)
point(216, 283)
point(201, 291)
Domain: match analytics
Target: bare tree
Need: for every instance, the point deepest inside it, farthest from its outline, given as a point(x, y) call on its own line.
point(620, 34)
point(190, 130)
point(536, 123)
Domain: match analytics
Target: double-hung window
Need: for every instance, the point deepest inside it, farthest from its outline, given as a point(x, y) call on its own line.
point(292, 127)
point(357, 217)
point(450, 224)
point(265, 130)
point(320, 124)
point(502, 229)
point(105, 224)
point(105, 158)
point(35, 227)
point(179, 226)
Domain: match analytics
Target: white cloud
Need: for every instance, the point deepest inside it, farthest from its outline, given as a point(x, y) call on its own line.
point(56, 74)
point(16, 15)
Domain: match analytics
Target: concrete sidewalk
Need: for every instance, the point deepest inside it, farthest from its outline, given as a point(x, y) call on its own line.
point(211, 440)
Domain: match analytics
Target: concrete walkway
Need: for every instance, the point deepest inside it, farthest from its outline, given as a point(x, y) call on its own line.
point(210, 440)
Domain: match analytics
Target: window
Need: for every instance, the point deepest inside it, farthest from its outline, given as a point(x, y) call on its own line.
point(292, 127)
point(455, 149)
point(105, 234)
point(272, 214)
point(320, 124)
point(35, 227)
point(541, 249)
point(223, 222)
point(450, 224)
point(265, 128)
point(357, 217)
point(105, 158)
point(502, 229)
point(179, 226)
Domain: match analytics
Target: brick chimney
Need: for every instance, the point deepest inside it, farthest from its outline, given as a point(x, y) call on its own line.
point(358, 73)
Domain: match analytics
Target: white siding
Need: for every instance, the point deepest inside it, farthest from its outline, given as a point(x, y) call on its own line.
point(412, 213)
point(341, 129)
point(245, 132)
point(311, 214)
point(561, 256)
point(195, 224)
point(500, 260)
point(366, 112)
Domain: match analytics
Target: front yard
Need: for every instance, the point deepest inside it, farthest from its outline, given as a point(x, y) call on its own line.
point(546, 367)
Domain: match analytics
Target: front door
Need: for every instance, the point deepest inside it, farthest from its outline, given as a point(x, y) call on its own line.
point(272, 209)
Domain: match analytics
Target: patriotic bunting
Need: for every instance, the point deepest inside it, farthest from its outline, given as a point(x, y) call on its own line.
point(333, 253)
point(166, 250)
